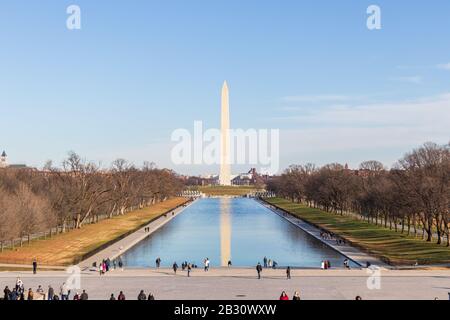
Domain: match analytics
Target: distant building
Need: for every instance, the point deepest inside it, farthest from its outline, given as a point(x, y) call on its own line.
point(242, 179)
point(4, 163)
point(3, 160)
point(250, 178)
point(208, 180)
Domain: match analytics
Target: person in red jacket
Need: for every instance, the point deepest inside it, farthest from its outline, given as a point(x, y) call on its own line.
point(284, 296)
point(121, 296)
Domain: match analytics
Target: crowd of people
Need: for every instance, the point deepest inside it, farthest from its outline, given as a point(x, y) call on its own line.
point(325, 235)
point(107, 264)
point(296, 296)
point(284, 296)
point(259, 270)
point(18, 292)
point(185, 266)
point(269, 263)
point(325, 265)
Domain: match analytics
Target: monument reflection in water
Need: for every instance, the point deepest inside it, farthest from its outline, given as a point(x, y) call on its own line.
point(223, 229)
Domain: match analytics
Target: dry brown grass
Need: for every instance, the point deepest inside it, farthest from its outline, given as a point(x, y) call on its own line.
point(68, 248)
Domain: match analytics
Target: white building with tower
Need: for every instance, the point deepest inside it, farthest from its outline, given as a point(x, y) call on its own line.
point(4, 163)
point(3, 160)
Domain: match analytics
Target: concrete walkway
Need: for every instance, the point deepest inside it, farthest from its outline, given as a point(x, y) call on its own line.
point(241, 283)
point(346, 250)
point(29, 266)
point(121, 246)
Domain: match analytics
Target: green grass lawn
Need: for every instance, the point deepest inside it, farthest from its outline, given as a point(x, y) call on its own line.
point(227, 190)
point(393, 247)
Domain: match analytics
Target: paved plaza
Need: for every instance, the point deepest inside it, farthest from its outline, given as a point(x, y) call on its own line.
point(242, 283)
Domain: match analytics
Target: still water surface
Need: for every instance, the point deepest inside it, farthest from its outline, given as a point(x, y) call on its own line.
point(223, 229)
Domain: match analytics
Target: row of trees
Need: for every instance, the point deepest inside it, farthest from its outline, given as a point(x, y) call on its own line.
point(413, 196)
point(77, 193)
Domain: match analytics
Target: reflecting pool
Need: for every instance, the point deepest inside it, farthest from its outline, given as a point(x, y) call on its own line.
point(239, 230)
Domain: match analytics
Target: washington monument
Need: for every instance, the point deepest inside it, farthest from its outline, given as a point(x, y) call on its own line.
point(225, 170)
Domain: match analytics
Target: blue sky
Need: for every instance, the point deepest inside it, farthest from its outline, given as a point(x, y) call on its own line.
point(137, 70)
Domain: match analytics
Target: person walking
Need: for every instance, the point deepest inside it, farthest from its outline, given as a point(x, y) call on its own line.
point(189, 268)
point(284, 296)
point(40, 293)
point(120, 263)
point(64, 292)
point(158, 262)
point(34, 266)
point(40, 290)
point(259, 270)
point(14, 295)
point(346, 264)
point(142, 296)
point(121, 296)
point(84, 296)
point(265, 262)
point(288, 272)
point(30, 294)
point(19, 284)
point(50, 293)
point(6, 293)
point(207, 264)
point(175, 267)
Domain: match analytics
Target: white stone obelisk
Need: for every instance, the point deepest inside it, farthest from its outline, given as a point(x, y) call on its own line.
point(225, 164)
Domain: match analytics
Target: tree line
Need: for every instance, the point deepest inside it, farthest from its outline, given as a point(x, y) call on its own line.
point(77, 193)
point(412, 197)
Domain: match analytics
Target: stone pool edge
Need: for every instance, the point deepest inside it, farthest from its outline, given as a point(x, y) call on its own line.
point(118, 248)
point(357, 256)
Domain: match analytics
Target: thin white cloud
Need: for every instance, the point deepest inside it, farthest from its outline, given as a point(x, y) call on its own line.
point(445, 66)
point(317, 98)
point(309, 107)
point(382, 130)
point(434, 109)
point(408, 79)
